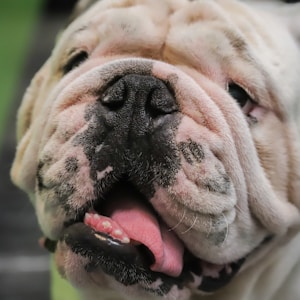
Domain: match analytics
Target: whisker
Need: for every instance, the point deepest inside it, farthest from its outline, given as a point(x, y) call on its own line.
point(210, 227)
point(179, 222)
point(227, 229)
point(239, 209)
point(195, 220)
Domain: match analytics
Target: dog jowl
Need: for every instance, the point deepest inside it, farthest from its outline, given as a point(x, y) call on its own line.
point(158, 148)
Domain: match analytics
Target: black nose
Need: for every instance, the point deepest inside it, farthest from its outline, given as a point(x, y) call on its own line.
point(138, 102)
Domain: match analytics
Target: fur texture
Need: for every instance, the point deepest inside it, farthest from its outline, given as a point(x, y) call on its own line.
point(174, 123)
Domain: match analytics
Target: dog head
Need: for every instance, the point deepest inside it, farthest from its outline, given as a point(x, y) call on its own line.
point(158, 147)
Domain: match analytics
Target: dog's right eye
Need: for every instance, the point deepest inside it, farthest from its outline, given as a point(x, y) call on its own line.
point(75, 61)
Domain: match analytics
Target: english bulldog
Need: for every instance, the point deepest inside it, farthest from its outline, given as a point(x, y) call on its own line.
point(159, 147)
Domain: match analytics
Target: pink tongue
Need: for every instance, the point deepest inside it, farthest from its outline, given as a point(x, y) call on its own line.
point(142, 226)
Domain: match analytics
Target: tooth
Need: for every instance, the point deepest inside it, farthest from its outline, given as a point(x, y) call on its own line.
point(96, 216)
point(118, 232)
point(125, 240)
point(87, 216)
point(106, 224)
point(100, 237)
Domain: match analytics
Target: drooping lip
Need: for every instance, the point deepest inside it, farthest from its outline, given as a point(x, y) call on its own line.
point(134, 260)
point(114, 258)
point(112, 255)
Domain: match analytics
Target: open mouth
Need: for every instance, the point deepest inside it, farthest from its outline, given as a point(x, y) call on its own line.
point(124, 237)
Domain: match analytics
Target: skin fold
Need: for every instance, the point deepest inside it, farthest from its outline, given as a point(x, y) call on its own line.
point(159, 147)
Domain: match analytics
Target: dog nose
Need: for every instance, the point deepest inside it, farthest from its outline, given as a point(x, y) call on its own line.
point(138, 101)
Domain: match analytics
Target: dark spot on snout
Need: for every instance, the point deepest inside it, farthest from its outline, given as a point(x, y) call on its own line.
point(191, 151)
point(221, 184)
point(64, 191)
point(218, 238)
point(62, 194)
point(71, 164)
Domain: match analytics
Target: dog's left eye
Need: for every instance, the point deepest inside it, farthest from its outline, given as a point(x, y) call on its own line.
point(244, 100)
point(75, 61)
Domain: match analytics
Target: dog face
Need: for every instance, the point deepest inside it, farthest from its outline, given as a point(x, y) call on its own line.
point(158, 148)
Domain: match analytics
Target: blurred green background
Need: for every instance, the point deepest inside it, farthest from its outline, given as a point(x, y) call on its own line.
point(28, 30)
point(17, 21)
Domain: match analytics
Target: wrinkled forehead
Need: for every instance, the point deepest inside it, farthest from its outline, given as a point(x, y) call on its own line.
point(114, 22)
point(126, 25)
point(223, 39)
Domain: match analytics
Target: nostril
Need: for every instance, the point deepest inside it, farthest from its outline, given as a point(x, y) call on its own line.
point(139, 98)
point(160, 102)
point(114, 97)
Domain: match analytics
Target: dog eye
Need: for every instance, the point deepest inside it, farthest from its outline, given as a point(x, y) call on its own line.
point(75, 61)
point(244, 100)
point(239, 94)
